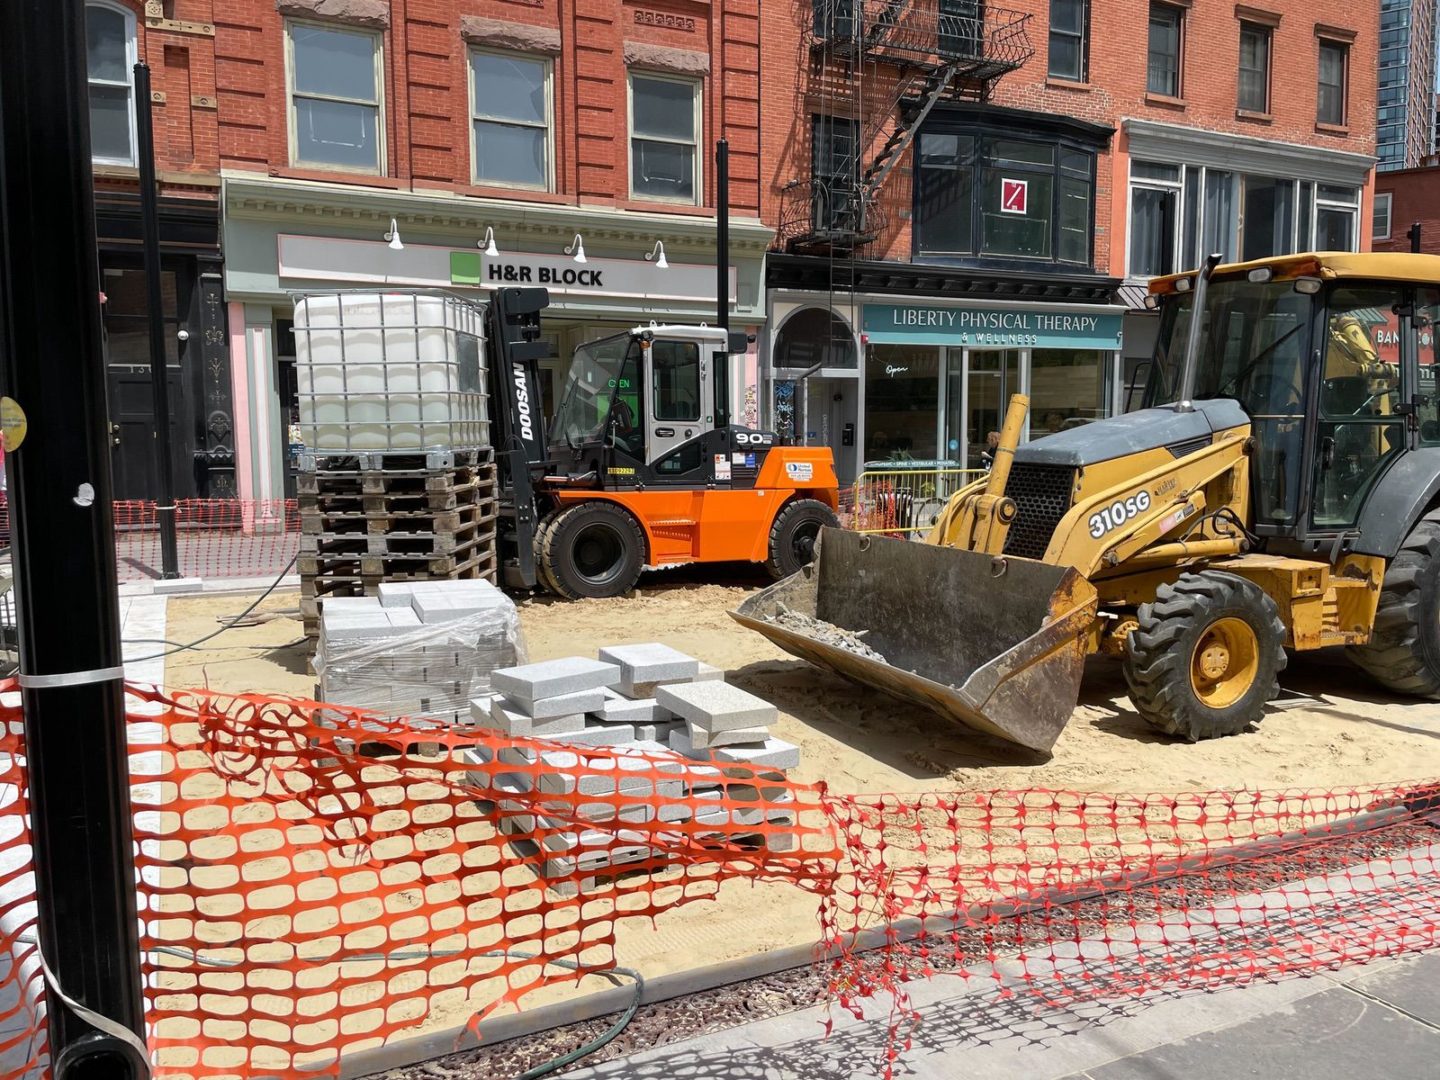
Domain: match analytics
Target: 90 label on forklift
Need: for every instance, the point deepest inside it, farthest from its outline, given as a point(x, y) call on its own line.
point(1117, 513)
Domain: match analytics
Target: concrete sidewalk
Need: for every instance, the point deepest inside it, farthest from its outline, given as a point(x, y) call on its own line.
point(1380, 1019)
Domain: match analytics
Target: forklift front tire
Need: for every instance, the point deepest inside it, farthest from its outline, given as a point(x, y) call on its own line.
point(793, 535)
point(591, 551)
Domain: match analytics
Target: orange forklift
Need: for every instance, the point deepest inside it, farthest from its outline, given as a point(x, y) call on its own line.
point(641, 465)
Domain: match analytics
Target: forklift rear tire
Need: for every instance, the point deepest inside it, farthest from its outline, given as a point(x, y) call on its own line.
point(1206, 656)
point(591, 551)
point(1403, 654)
point(793, 535)
point(542, 531)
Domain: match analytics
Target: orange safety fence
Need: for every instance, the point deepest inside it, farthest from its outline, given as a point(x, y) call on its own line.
point(316, 881)
point(214, 538)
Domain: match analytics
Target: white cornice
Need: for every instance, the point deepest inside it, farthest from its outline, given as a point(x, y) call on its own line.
point(1174, 143)
point(264, 198)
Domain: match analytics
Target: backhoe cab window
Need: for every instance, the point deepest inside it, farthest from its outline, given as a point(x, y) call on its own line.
point(603, 377)
point(1427, 329)
point(677, 380)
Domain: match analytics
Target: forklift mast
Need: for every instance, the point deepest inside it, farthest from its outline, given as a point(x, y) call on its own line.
point(517, 422)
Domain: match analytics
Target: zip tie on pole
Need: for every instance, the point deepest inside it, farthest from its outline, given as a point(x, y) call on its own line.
point(98, 1021)
point(72, 678)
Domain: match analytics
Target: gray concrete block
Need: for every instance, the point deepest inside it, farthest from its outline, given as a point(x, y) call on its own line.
point(717, 706)
point(505, 717)
point(773, 753)
point(608, 775)
point(599, 735)
point(651, 662)
point(563, 705)
point(658, 732)
point(623, 710)
point(343, 605)
point(640, 690)
point(551, 678)
point(396, 593)
point(701, 739)
point(177, 585)
point(709, 674)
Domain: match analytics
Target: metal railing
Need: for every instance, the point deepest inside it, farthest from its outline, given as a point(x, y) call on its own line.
point(901, 502)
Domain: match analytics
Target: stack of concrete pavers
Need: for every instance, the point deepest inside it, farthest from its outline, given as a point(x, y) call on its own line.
point(420, 650)
point(649, 698)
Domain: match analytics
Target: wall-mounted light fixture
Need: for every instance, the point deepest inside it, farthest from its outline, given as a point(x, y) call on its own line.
point(577, 249)
point(657, 256)
point(394, 237)
point(488, 244)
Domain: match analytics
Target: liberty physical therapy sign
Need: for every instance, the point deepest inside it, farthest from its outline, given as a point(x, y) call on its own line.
point(1037, 327)
point(324, 258)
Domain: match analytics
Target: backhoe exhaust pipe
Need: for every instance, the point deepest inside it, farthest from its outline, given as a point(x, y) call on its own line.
point(1192, 334)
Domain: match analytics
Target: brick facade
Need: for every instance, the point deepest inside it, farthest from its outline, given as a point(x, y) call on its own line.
point(427, 108)
point(1113, 92)
point(1414, 197)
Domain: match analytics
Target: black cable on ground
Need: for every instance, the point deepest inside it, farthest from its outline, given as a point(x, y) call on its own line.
point(200, 641)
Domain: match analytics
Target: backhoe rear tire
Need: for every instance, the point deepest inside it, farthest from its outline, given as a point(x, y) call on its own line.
point(1206, 656)
point(590, 551)
point(1403, 653)
point(793, 534)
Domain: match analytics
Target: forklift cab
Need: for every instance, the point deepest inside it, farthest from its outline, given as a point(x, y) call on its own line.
point(651, 407)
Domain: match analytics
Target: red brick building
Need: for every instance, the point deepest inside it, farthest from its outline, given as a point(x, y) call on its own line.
point(1405, 197)
point(176, 40)
point(437, 144)
point(963, 194)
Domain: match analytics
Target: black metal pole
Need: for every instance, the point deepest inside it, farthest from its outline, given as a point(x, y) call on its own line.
point(159, 370)
point(64, 548)
point(722, 233)
point(1414, 235)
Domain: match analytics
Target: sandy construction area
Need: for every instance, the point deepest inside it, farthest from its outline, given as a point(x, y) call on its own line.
point(857, 740)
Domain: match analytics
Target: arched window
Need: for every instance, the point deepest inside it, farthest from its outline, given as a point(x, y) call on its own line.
point(109, 64)
point(815, 336)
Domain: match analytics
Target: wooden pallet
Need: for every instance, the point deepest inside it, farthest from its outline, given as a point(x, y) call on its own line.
point(398, 544)
point(410, 502)
point(481, 477)
point(398, 565)
point(392, 522)
point(328, 461)
point(352, 582)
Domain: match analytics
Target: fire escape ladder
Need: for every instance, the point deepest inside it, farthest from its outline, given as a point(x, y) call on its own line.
point(903, 133)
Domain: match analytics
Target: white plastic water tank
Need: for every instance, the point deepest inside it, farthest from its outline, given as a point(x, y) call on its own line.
point(390, 371)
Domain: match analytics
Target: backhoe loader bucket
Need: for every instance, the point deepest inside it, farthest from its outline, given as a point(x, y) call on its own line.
point(997, 643)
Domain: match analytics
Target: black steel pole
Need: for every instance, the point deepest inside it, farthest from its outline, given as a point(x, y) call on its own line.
point(1414, 234)
point(159, 370)
point(722, 233)
point(64, 548)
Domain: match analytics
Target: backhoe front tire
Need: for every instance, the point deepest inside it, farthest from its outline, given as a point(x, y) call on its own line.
point(1206, 656)
point(1403, 653)
point(590, 551)
point(793, 535)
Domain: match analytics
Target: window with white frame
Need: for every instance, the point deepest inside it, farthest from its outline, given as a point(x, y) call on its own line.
point(1380, 223)
point(664, 138)
point(336, 97)
point(1180, 213)
point(510, 116)
point(110, 54)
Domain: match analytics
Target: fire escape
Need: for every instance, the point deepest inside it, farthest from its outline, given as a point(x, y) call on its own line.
point(877, 70)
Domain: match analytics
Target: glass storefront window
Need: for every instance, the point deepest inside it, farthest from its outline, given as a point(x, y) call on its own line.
point(1067, 388)
point(812, 336)
point(902, 400)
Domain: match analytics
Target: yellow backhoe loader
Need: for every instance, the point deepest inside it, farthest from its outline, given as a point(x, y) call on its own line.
point(1280, 490)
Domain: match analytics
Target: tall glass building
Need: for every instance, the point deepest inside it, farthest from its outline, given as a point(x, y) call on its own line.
point(1405, 132)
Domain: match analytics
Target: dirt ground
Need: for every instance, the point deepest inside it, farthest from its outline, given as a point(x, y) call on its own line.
point(858, 740)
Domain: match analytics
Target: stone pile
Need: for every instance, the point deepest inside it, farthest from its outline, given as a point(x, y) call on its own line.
point(648, 698)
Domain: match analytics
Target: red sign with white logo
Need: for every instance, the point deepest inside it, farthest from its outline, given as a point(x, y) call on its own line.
point(1014, 194)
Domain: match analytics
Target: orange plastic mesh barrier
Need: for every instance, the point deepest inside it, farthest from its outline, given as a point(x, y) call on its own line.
point(215, 538)
point(1081, 897)
point(316, 880)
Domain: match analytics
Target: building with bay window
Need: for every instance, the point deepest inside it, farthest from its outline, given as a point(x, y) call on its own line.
point(969, 199)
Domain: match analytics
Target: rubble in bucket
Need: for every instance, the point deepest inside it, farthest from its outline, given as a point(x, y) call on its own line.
point(644, 701)
point(422, 650)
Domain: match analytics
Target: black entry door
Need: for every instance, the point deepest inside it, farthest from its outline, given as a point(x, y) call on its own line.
point(127, 346)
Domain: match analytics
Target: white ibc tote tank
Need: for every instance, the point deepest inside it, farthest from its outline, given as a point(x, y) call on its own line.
point(399, 371)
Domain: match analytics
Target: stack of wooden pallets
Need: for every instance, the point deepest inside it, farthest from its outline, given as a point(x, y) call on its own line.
point(393, 516)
